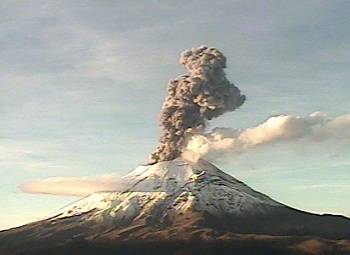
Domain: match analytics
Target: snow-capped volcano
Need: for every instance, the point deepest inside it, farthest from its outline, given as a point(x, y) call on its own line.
point(172, 188)
point(171, 201)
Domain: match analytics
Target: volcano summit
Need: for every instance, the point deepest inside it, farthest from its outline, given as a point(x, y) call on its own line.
point(180, 206)
point(174, 207)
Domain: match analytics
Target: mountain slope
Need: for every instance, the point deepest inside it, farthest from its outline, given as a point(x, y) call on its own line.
point(173, 200)
point(176, 187)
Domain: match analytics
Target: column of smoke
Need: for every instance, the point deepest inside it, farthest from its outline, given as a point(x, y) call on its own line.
point(200, 95)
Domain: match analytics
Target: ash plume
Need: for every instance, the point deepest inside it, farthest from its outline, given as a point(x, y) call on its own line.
point(193, 98)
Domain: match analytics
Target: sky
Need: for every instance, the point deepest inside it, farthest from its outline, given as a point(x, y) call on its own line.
point(82, 82)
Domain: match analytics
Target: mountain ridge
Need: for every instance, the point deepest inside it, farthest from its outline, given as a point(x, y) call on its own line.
point(178, 201)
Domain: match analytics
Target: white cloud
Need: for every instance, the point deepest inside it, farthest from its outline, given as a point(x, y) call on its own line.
point(73, 186)
point(338, 127)
point(283, 128)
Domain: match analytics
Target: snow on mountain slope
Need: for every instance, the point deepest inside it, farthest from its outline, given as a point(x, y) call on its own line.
point(171, 202)
point(171, 188)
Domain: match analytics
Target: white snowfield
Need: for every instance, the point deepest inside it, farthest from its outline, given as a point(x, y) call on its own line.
point(171, 188)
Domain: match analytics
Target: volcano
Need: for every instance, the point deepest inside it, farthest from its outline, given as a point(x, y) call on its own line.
point(180, 207)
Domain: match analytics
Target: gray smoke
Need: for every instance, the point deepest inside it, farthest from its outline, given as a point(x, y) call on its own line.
point(201, 94)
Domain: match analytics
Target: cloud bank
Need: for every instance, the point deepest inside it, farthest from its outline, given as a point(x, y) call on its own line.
point(283, 128)
point(74, 186)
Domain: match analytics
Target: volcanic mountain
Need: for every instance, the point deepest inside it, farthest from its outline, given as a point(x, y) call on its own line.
point(180, 207)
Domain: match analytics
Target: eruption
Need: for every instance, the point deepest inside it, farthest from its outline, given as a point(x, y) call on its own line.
point(201, 94)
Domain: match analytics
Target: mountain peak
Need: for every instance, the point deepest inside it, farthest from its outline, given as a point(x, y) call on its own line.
point(177, 201)
point(172, 188)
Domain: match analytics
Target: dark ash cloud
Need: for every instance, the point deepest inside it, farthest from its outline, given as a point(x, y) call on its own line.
point(200, 95)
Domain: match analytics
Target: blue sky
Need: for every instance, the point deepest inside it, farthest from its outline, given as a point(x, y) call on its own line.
point(82, 83)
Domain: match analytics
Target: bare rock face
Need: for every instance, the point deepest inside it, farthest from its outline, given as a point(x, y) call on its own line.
point(178, 202)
